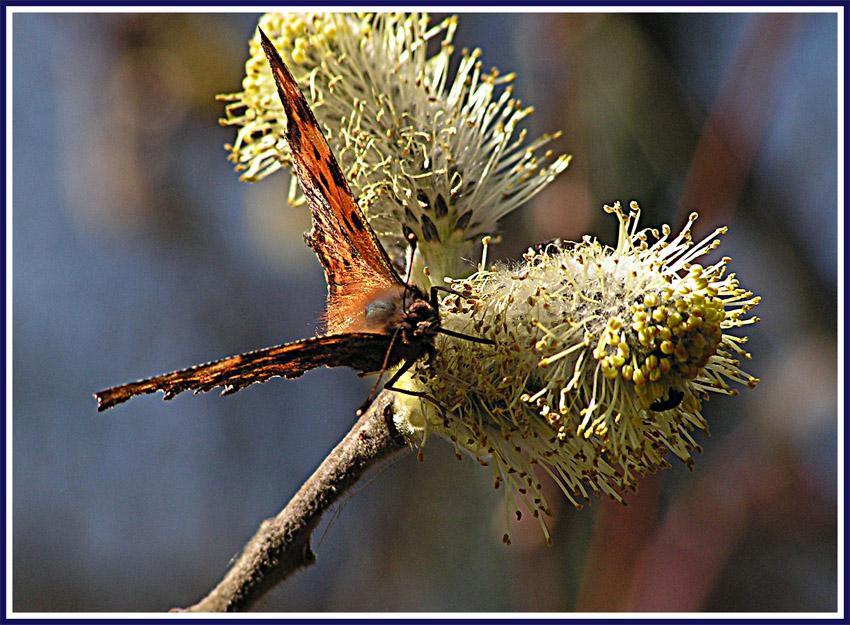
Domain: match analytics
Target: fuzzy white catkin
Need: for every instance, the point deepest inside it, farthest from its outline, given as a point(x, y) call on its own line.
point(590, 342)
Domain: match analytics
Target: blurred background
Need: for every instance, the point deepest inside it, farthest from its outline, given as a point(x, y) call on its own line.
point(137, 251)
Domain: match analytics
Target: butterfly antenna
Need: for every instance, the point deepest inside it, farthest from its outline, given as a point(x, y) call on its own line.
point(466, 337)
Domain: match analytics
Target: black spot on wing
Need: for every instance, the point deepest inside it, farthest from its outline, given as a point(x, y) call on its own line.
point(348, 228)
point(339, 179)
point(322, 180)
point(355, 220)
point(303, 110)
point(293, 132)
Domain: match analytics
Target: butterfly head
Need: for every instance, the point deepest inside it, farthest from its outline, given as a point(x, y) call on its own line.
point(404, 310)
point(420, 318)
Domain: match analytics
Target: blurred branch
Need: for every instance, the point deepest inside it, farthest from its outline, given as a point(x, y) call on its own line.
point(281, 545)
point(739, 116)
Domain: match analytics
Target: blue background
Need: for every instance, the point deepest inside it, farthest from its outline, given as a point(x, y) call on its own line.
point(137, 251)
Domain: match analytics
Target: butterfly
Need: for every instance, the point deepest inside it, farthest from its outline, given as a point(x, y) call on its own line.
point(374, 320)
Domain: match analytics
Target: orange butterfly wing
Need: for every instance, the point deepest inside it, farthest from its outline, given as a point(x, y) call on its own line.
point(356, 265)
point(360, 351)
point(357, 268)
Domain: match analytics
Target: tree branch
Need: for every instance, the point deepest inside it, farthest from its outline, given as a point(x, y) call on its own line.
point(281, 545)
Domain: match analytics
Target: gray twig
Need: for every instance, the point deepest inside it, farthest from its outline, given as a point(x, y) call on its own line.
point(281, 545)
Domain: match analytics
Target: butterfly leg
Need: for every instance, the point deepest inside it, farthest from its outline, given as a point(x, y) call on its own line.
point(435, 302)
point(371, 396)
point(390, 386)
